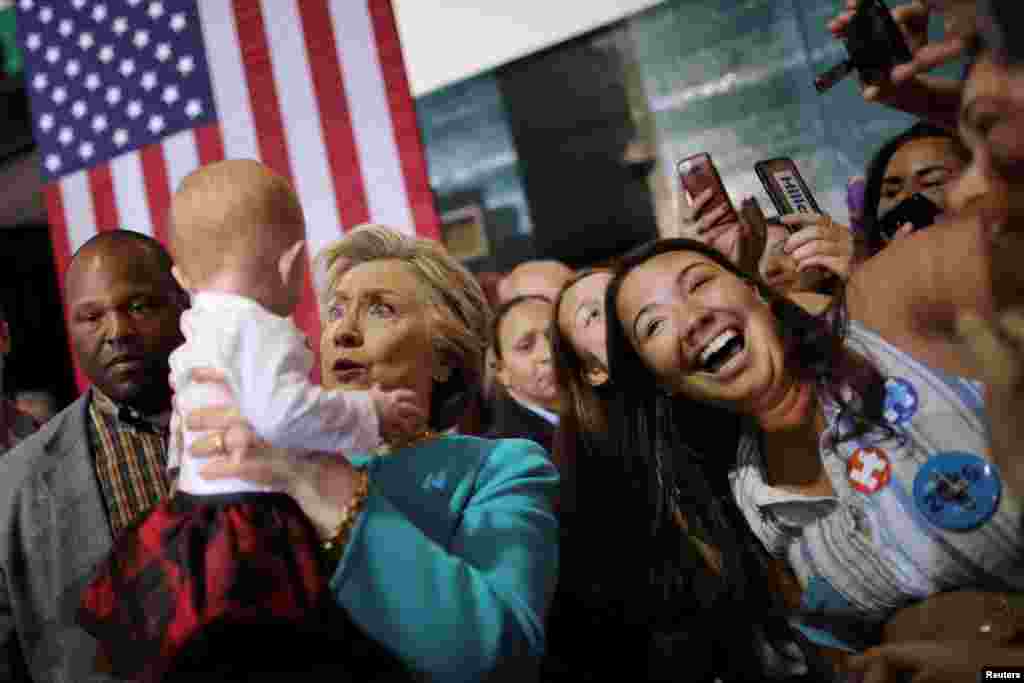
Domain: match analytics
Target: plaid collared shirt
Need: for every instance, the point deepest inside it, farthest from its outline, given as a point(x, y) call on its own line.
point(130, 457)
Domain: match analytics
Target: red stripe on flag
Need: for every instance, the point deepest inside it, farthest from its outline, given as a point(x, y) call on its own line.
point(62, 259)
point(403, 120)
point(329, 86)
point(158, 188)
point(104, 204)
point(209, 143)
point(266, 113)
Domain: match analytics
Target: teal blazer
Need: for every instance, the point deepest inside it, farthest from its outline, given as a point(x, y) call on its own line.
point(453, 561)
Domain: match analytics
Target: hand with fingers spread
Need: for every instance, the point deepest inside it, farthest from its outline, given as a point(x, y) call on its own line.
point(995, 349)
point(933, 661)
point(908, 88)
point(398, 414)
point(959, 21)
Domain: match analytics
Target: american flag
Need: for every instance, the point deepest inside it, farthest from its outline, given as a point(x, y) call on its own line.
point(129, 96)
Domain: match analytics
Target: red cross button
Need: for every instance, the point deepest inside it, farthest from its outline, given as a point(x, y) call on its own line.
point(869, 470)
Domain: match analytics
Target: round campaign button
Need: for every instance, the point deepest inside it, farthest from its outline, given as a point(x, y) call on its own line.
point(957, 491)
point(900, 401)
point(868, 470)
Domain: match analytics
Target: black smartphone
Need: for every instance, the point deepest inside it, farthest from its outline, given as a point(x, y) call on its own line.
point(785, 186)
point(696, 174)
point(916, 209)
point(874, 44)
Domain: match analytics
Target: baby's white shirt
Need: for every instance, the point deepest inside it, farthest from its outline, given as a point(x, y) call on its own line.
point(266, 363)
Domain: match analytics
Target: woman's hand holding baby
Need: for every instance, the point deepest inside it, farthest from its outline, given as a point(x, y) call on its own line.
point(398, 413)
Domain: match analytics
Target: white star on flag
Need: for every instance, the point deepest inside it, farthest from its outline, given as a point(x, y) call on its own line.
point(66, 27)
point(120, 137)
point(185, 65)
point(92, 81)
point(163, 52)
point(26, 5)
point(85, 150)
point(113, 95)
point(52, 54)
point(85, 41)
point(46, 15)
point(170, 95)
point(33, 42)
point(148, 81)
point(59, 95)
point(46, 122)
point(99, 13)
point(99, 123)
point(127, 67)
point(141, 39)
point(79, 109)
point(120, 25)
point(194, 108)
point(156, 124)
point(40, 81)
point(66, 136)
point(178, 22)
point(52, 163)
point(72, 68)
point(78, 4)
point(106, 53)
point(156, 10)
point(134, 109)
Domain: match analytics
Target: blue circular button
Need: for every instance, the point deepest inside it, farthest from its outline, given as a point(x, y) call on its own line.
point(900, 401)
point(957, 491)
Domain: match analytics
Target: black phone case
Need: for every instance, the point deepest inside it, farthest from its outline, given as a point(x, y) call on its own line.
point(874, 41)
point(917, 210)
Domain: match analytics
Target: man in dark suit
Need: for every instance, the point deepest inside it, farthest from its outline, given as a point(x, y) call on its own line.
point(67, 491)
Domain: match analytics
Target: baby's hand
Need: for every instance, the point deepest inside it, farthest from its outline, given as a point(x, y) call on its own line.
point(399, 414)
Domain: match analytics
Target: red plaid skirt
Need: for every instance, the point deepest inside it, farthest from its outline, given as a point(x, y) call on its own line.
point(213, 583)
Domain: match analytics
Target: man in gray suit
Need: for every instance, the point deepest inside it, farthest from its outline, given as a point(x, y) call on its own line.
point(68, 490)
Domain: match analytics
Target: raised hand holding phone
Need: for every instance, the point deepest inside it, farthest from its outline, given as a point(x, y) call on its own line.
point(707, 214)
point(698, 175)
point(874, 42)
point(817, 243)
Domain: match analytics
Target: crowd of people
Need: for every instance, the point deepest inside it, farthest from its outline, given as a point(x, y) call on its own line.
point(727, 455)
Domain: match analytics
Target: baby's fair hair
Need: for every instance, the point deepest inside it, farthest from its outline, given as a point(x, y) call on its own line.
point(234, 217)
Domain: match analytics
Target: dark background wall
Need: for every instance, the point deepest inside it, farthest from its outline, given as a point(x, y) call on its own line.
point(570, 118)
point(28, 292)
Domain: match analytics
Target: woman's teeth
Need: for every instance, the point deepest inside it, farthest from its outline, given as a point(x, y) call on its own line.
point(720, 349)
point(716, 344)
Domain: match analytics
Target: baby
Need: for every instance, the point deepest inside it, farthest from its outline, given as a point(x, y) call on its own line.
point(229, 553)
point(238, 243)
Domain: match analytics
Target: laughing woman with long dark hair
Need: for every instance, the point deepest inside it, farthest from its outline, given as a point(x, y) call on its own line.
point(864, 462)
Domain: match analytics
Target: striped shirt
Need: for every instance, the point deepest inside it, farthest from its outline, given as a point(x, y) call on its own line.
point(130, 457)
point(874, 551)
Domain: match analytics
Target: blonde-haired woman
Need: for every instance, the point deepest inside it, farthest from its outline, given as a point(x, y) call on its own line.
point(443, 548)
